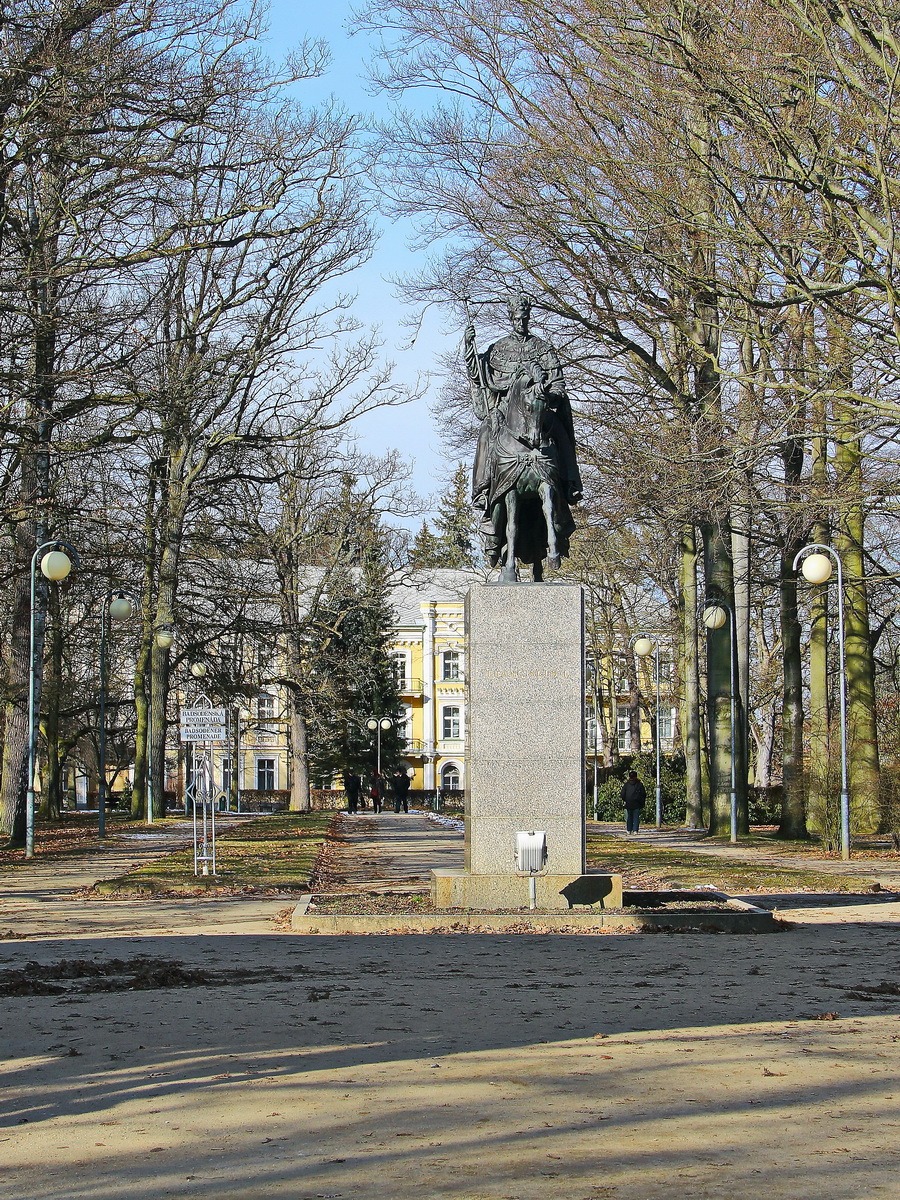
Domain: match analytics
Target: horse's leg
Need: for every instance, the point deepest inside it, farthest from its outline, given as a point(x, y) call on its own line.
point(508, 574)
point(553, 558)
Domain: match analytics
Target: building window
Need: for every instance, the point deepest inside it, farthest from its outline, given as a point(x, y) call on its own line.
point(265, 713)
point(451, 722)
point(450, 777)
point(667, 726)
point(399, 665)
point(227, 775)
point(265, 774)
point(623, 727)
point(403, 723)
point(450, 665)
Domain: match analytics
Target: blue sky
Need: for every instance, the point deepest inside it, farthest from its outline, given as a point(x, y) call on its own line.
point(409, 429)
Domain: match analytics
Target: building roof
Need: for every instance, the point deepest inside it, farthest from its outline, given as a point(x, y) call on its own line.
point(430, 584)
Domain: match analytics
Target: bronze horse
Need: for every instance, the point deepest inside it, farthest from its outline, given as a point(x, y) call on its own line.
point(530, 518)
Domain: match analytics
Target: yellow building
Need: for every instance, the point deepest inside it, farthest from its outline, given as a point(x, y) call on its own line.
point(429, 658)
point(428, 652)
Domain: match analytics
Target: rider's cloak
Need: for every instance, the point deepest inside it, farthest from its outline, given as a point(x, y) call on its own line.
point(491, 375)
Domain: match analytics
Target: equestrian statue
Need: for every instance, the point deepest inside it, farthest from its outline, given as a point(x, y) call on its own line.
point(525, 476)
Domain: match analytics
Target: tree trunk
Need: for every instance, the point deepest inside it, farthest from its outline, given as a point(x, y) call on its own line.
point(719, 649)
point(765, 745)
point(141, 741)
point(819, 701)
point(159, 691)
point(793, 792)
point(862, 728)
point(690, 677)
point(740, 557)
point(300, 795)
point(142, 663)
point(174, 495)
point(793, 799)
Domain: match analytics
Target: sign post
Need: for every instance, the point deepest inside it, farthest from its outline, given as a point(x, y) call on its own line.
point(203, 725)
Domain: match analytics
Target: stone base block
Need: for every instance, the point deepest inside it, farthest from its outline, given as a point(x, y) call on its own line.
point(524, 724)
point(453, 888)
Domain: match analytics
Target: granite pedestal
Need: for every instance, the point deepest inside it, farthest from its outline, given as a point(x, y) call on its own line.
point(525, 747)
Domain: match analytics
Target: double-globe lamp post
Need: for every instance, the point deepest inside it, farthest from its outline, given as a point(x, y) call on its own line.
point(376, 725)
point(817, 559)
point(56, 559)
point(716, 614)
point(644, 646)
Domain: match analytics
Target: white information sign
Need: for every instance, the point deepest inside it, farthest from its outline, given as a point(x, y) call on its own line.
point(203, 725)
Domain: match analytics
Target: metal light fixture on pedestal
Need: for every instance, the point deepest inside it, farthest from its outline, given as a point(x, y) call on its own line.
point(56, 559)
point(376, 725)
point(716, 615)
point(817, 568)
point(164, 639)
point(643, 646)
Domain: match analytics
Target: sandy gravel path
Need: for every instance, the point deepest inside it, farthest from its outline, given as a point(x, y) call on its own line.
point(266, 1064)
point(472, 1067)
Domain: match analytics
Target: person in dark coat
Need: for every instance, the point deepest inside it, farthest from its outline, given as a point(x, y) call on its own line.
point(400, 784)
point(634, 794)
point(377, 791)
point(352, 785)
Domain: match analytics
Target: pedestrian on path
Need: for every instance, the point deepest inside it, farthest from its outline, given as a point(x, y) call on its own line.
point(634, 794)
point(400, 784)
point(352, 786)
point(377, 791)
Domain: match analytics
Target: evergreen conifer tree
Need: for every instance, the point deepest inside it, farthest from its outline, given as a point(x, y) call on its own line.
point(426, 549)
point(456, 533)
point(355, 679)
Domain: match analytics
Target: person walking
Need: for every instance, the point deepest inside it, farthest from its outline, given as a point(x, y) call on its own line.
point(400, 784)
point(352, 785)
point(634, 794)
point(377, 791)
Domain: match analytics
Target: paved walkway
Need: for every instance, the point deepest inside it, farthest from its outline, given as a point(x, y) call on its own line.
point(393, 852)
point(42, 900)
point(885, 871)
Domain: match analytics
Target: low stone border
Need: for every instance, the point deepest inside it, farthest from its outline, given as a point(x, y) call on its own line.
point(744, 918)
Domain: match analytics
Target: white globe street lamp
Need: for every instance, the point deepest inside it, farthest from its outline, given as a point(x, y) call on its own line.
point(644, 646)
point(121, 607)
point(165, 637)
point(56, 565)
point(56, 559)
point(198, 670)
point(817, 568)
point(716, 614)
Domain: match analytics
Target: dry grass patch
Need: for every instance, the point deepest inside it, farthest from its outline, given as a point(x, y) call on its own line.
point(642, 864)
point(274, 853)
